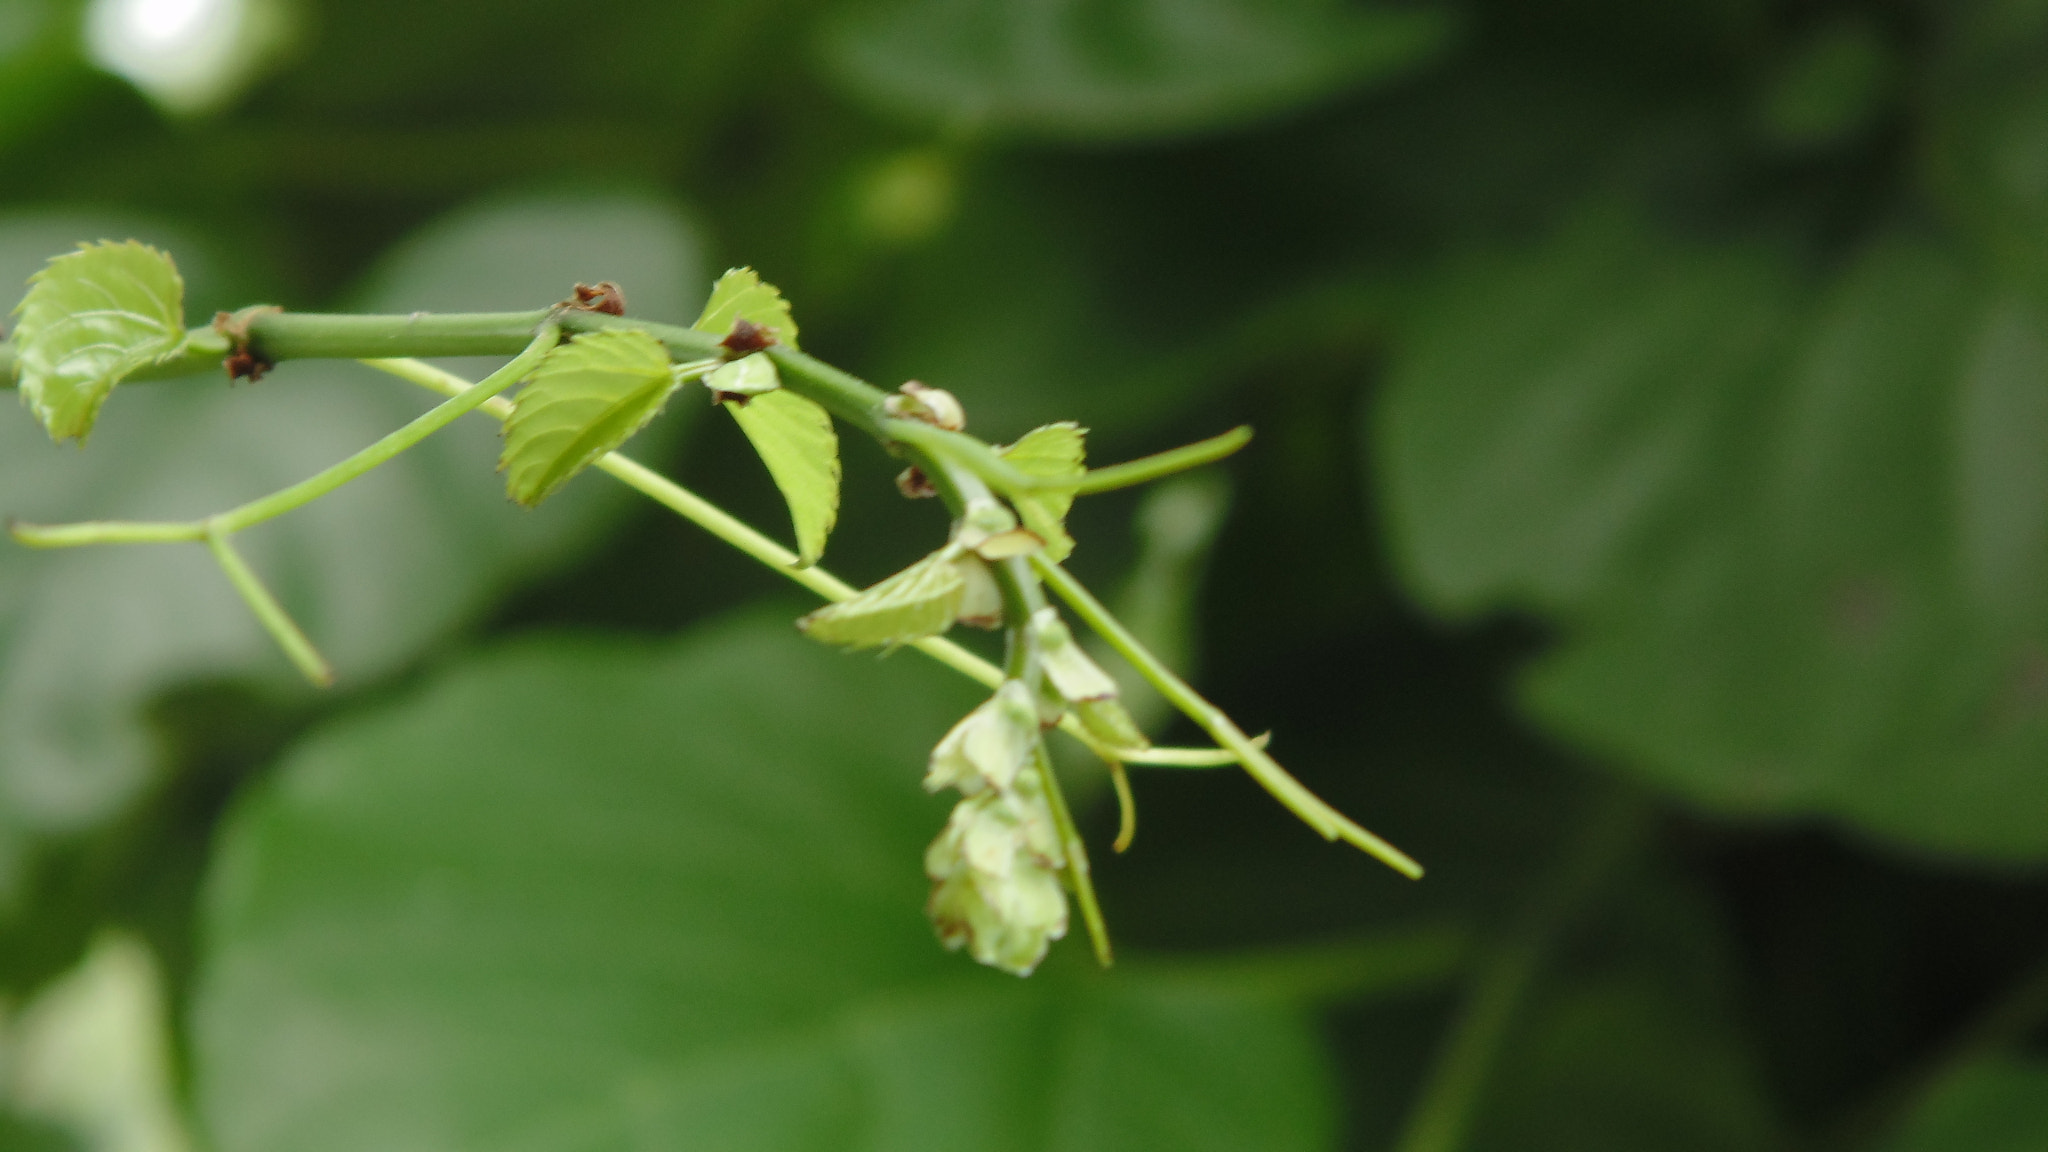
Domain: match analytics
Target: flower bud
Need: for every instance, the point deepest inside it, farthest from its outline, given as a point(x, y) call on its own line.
point(995, 879)
point(988, 748)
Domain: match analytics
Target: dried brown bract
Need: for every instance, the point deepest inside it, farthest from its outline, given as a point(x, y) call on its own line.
point(243, 362)
point(746, 338)
point(603, 296)
point(914, 484)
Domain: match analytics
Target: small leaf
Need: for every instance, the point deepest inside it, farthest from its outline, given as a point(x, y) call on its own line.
point(793, 435)
point(740, 295)
point(917, 602)
point(1052, 451)
point(90, 318)
point(795, 440)
point(746, 376)
point(1072, 673)
point(588, 397)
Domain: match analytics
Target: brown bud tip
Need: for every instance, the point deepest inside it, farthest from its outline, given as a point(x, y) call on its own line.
point(736, 399)
point(746, 339)
point(603, 296)
point(914, 484)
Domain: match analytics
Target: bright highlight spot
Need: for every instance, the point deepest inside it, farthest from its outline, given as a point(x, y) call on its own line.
point(169, 25)
point(189, 56)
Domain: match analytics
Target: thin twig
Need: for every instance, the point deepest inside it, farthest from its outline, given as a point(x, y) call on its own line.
point(269, 612)
point(1312, 810)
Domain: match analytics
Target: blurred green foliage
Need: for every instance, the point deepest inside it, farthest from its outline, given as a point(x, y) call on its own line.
point(1653, 410)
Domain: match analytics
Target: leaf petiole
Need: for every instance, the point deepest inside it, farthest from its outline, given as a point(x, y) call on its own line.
point(989, 465)
point(1313, 811)
point(1160, 465)
point(268, 611)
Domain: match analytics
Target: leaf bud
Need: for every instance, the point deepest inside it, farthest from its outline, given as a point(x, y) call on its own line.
point(1111, 723)
point(935, 406)
point(1066, 665)
point(990, 530)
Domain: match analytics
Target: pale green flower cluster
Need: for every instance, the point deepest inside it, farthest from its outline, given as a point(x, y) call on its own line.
point(995, 868)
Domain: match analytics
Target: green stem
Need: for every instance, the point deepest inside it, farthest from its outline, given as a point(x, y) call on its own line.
point(281, 336)
point(1202, 758)
point(277, 336)
point(990, 466)
point(268, 611)
point(1332, 824)
point(107, 532)
point(764, 549)
point(1157, 466)
point(845, 395)
point(1077, 860)
point(1450, 1095)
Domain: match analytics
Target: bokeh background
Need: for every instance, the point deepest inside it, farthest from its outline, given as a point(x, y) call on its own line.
point(1647, 528)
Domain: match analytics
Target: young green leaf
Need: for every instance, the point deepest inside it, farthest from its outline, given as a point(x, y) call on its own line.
point(746, 376)
point(1054, 450)
point(793, 435)
point(917, 602)
point(795, 440)
point(588, 397)
point(90, 318)
point(740, 295)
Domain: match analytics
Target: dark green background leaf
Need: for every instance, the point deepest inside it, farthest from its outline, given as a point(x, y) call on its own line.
point(1797, 575)
point(1116, 69)
point(1554, 409)
point(1995, 1105)
point(1634, 1040)
point(579, 891)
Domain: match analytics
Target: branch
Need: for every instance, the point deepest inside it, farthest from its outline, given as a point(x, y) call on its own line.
point(763, 548)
